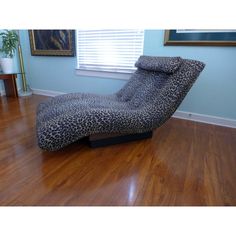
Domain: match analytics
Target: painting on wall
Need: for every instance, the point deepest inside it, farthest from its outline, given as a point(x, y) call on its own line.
point(52, 42)
point(198, 37)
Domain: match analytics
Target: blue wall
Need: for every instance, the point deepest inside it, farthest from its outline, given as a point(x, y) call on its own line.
point(214, 93)
point(58, 74)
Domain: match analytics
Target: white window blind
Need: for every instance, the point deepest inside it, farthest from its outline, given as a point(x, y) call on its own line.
point(109, 50)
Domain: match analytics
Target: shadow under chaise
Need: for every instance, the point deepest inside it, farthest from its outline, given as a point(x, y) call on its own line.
point(149, 98)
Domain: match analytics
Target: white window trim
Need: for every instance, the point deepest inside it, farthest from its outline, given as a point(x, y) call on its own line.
point(104, 74)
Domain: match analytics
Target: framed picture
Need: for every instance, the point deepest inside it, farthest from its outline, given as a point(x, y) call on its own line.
point(52, 42)
point(200, 37)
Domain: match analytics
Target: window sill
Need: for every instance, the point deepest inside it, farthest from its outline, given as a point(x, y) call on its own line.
point(104, 74)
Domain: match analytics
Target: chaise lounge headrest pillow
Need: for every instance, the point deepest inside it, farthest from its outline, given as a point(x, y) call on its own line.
point(162, 64)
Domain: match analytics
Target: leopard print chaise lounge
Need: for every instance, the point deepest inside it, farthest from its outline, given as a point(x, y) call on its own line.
point(149, 98)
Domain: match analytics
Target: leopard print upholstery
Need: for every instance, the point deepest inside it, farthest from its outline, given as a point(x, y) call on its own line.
point(162, 64)
point(149, 98)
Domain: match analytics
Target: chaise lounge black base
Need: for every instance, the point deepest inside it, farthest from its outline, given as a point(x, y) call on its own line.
point(102, 140)
point(150, 97)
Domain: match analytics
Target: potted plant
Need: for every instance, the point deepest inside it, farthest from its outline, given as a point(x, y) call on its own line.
point(8, 47)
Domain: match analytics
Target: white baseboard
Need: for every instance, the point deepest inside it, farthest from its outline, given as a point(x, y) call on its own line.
point(46, 92)
point(39, 92)
point(215, 120)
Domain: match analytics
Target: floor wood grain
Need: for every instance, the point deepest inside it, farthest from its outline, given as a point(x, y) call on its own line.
point(184, 164)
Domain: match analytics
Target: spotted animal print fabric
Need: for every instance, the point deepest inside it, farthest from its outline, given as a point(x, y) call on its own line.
point(149, 98)
point(161, 64)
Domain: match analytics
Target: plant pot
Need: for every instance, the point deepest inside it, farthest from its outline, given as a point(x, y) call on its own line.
point(6, 65)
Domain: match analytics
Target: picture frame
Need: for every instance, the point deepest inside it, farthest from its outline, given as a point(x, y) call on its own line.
point(52, 42)
point(200, 37)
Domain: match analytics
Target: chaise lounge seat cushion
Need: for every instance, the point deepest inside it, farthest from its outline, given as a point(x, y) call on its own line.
point(149, 98)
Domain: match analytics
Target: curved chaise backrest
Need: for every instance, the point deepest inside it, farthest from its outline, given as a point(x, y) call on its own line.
point(160, 84)
point(176, 88)
point(151, 71)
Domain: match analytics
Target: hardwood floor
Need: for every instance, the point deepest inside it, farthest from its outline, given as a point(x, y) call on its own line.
point(184, 164)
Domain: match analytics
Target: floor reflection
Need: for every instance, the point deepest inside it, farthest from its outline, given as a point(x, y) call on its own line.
point(132, 190)
point(83, 177)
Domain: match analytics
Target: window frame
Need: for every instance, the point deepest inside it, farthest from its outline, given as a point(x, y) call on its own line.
point(103, 73)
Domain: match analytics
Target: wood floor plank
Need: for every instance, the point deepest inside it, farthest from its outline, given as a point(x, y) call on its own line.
point(184, 164)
